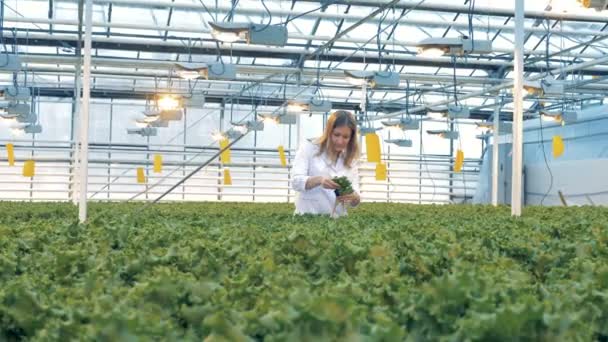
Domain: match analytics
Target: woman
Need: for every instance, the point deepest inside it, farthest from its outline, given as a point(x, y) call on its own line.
point(334, 154)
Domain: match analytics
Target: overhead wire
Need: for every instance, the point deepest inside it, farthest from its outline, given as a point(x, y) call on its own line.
point(378, 34)
point(540, 120)
point(470, 16)
point(288, 20)
point(230, 15)
point(269, 17)
point(396, 21)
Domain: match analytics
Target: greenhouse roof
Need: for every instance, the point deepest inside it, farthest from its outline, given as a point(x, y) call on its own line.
point(137, 43)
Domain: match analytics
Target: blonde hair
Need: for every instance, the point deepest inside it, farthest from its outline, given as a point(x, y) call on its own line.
point(337, 119)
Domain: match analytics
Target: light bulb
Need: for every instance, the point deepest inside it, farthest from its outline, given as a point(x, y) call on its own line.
point(394, 129)
point(430, 52)
point(226, 37)
point(270, 120)
point(141, 123)
point(217, 136)
point(149, 119)
point(356, 81)
point(168, 103)
point(532, 91)
point(551, 117)
point(436, 115)
point(484, 127)
point(188, 74)
point(9, 120)
point(570, 6)
point(296, 107)
point(17, 132)
point(546, 117)
point(241, 129)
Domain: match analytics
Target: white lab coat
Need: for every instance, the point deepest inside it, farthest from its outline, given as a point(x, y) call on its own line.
point(309, 163)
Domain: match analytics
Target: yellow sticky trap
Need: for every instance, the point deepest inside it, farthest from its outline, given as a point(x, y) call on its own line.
point(227, 177)
point(558, 146)
point(28, 168)
point(459, 161)
point(372, 146)
point(225, 156)
point(282, 155)
point(158, 163)
point(10, 152)
point(380, 171)
point(141, 177)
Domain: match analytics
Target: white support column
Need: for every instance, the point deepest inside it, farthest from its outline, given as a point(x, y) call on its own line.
point(363, 105)
point(495, 151)
point(518, 61)
point(364, 98)
point(84, 118)
point(298, 131)
point(76, 135)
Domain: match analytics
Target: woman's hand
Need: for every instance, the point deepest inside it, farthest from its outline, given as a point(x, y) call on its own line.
point(352, 199)
point(325, 183)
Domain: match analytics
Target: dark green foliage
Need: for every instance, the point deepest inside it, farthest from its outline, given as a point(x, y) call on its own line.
point(345, 186)
point(255, 272)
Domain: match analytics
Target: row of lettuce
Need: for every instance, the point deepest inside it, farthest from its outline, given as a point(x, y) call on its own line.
point(253, 272)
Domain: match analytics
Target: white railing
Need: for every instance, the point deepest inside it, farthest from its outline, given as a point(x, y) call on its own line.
point(256, 175)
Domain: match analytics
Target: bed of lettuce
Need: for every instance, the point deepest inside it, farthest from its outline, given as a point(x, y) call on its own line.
point(254, 272)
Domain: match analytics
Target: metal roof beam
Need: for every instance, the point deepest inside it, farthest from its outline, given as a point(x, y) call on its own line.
point(242, 100)
point(174, 46)
point(350, 17)
point(403, 4)
point(205, 32)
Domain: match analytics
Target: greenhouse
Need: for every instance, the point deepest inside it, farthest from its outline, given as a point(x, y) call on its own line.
point(301, 170)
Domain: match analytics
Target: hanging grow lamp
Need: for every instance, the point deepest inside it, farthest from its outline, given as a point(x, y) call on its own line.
point(437, 47)
point(400, 142)
point(258, 34)
point(217, 71)
point(309, 106)
point(375, 79)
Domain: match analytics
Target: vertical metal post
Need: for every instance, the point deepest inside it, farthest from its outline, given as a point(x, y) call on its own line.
point(518, 60)
point(110, 151)
point(388, 164)
point(219, 167)
point(184, 158)
point(298, 142)
point(495, 151)
point(32, 153)
point(298, 131)
point(420, 164)
point(289, 148)
point(364, 99)
point(75, 134)
point(147, 164)
point(363, 106)
point(452, 159)
point(84, 120)
point(255, 160)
